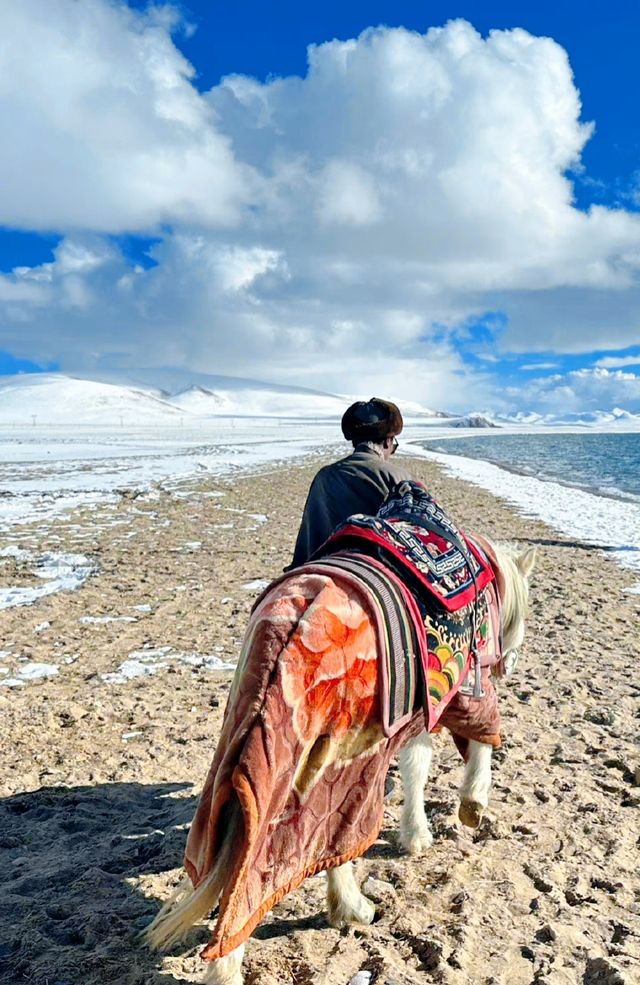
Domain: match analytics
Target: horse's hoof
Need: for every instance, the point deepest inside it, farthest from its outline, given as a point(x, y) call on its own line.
point(470, 813)
point(360, 911)
point(417, 843)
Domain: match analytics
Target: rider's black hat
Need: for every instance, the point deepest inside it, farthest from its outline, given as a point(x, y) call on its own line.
point(371, 420)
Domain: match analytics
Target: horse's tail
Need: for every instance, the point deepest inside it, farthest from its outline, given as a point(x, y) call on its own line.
point(188, 905)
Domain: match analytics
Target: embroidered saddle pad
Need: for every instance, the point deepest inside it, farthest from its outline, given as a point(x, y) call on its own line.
point(450, 581)
point(414, 536)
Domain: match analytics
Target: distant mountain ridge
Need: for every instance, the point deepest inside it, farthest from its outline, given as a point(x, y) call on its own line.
point(178, 398)
point(171, 382)
point(615, 418)
point(160, 397)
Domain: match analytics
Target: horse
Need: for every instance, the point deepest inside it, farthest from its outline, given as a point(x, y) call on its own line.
point(200, 891)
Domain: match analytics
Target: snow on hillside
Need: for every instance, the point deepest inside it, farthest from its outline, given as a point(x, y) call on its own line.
point(175, 398)
point(248, 401)
point(55, 399)
point(48, 398)
point(601, 420)
point(474, 420)
point(175, 381)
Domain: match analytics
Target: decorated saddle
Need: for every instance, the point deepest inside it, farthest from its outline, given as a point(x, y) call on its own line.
point(414, 536)
point(451, 581)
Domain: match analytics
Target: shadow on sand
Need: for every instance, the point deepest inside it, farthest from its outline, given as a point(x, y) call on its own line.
point(68, 912)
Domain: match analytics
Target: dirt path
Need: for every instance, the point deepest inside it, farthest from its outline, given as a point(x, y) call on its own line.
point(99, 776)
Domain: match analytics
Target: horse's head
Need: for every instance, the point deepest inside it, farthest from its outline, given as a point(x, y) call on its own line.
point(514, 568)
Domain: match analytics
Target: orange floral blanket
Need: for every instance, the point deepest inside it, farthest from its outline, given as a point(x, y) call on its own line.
point(306, 744)
point(302, 749)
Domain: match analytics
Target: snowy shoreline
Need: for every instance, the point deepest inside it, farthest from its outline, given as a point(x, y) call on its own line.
point(50, 475)
point(571, 511)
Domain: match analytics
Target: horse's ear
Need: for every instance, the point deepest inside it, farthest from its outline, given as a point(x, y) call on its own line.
point(526, 562)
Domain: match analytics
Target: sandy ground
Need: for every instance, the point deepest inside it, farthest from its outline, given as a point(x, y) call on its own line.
point(99, 778)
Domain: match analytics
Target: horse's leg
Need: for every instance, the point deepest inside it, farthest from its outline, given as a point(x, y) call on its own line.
point(226, 971)
point(345, 902)
point(474, 794)
point(415, 763)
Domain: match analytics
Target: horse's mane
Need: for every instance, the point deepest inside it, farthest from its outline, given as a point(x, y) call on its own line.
point(516, 595)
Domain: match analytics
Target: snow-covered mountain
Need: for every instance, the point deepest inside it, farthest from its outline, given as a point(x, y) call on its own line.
point(601, 418)
point(53, 399)
point(474, 420)
point(157, 398)
point(243, 399)
point(616, 419)
point(174, 398)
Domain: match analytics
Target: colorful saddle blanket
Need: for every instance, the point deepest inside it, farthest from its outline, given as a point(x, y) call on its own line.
point(452, 597)
point(414, 536)
point(422, 661)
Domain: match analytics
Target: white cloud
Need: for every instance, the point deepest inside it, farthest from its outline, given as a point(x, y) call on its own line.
point(581, 389)
point(336, 229)
point(616, 362)
point(102, 128)
point(347, 195)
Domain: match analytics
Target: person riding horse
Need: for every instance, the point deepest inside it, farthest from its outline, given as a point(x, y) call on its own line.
point(358, 483)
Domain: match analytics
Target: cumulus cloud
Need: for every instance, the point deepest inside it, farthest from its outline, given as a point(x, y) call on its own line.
point(334, 230)
point(582, 389)
point(102, 127)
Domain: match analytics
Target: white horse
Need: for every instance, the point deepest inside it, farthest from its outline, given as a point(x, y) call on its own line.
point(345, 903)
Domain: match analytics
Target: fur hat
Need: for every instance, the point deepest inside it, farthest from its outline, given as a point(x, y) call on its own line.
point(371, 420)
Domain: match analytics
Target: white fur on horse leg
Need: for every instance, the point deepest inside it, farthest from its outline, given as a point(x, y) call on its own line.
point(474, 795)
point(415, 763)
point(345, 902)
point(226, 971)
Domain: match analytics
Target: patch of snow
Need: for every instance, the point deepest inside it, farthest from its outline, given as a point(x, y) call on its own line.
point(139, 664)
point(102, 620)
point(40, 628)
point(257, 585)
point(15, 552)
point(142, 608)
point(34, 671)
point(30, 672)
point(143, 662)
point(259, 517)
point(361, 978)
point(63, 572)
point(208, 661)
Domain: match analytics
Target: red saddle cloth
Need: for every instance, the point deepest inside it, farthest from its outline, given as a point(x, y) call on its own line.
point(417, 539)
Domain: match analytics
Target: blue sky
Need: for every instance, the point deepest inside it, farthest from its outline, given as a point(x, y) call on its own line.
point(263, 39)
point(454, 208)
